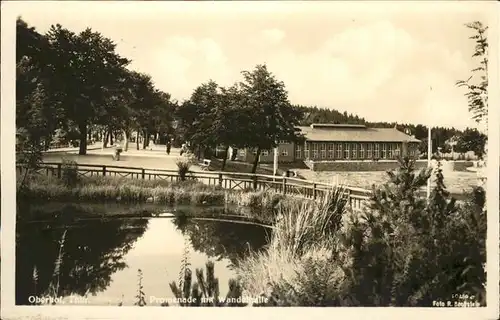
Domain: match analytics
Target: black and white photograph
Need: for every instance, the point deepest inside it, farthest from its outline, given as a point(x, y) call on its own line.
point(164, 155)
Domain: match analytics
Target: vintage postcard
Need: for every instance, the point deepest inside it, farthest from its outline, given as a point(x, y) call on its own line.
point(297, 159)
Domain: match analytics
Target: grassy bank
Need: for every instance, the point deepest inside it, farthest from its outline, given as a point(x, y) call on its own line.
point(125, 190)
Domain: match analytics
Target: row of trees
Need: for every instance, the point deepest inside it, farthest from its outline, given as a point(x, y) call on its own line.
point(76, 86)
point(253, 113)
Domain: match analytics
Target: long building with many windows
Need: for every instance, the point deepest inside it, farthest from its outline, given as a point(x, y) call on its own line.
point(340, 142)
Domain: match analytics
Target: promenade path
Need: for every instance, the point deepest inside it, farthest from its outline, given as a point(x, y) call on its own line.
point(155, 157)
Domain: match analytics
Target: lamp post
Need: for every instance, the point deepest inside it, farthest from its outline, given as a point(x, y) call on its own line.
point(482, 170)
point(429, 151)
point(275, 160)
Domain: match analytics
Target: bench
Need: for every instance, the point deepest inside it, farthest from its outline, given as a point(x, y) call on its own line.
point(205, 165)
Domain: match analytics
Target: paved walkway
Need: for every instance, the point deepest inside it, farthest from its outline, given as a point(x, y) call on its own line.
point(153, 157)
point(73, 149)
point(152, 151)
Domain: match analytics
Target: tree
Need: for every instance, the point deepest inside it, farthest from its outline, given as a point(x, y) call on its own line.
point(37, 113)
point(86, 69)
point(273, 118)
point(472, 140)
point(205, 100)
point(407, 251)
point(231, 119)
point(477, 84)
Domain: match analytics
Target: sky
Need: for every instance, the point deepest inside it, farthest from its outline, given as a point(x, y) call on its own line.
point(377, 60)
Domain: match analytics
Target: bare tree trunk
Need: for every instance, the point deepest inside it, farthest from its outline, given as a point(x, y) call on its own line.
point(256, 161)
point(83, 138)
point(137, 140)
point(125, 140)
point(146, 139)
point(111, 142)
point(104, 136)
point(199, 152)
point(225, 159)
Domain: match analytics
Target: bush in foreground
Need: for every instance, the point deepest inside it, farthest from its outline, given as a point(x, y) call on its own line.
point(402, 251)
point(297, 267)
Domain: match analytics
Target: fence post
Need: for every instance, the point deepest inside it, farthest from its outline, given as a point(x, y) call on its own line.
point(103, 171)
point(314, 191)
point(349, 198)
point(255, 182)
point(284, 185)
point(59, 170)
point(220, 180)
point(143, 173)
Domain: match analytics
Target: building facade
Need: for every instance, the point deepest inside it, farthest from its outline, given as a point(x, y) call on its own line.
point(337, 142)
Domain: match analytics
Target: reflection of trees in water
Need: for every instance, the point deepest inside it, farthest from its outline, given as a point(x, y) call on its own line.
point(93, 251)
point(220, 239)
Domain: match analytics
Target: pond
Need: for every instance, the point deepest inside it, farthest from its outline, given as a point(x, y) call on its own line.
point(70, 252)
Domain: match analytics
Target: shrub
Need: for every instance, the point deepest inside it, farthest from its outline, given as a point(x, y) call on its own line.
point(300, 244)
point(69, 172)
point(183, 167)
point(403, 250)
point(204, 291)
point(407, 252)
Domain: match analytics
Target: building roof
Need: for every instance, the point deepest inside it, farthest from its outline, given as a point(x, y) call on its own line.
point(352, 133)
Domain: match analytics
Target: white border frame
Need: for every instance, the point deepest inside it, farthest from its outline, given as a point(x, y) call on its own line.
point(9, 12)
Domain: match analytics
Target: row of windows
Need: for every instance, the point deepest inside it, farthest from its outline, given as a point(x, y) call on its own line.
point(342, 151)
point(350, 151)
point(265, 153)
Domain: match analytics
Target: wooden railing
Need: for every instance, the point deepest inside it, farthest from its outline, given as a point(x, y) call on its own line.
point(226, 180)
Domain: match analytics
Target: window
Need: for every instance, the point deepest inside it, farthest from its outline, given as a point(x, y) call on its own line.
point(323, 150)
point(361, 150)
point(283, 142)
point(384, 150)
point(369, 147)
point(315, 150)
point(377, 151)
point(331, 150)
point(346, 151)
point(265, 153)
point(298, 154)
point(339, 151)
point(284, 152)
point(354, 150)
point(397, 151)
point(389, 151)
point(306, 151)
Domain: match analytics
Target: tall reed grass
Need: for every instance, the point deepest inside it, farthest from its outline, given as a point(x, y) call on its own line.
point(299, 254)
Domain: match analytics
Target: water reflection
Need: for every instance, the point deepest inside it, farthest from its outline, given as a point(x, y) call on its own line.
point(223, 239)
point(70, 253)
point(90, 252)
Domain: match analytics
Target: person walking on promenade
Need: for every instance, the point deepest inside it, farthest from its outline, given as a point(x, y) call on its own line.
point(169, 145)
